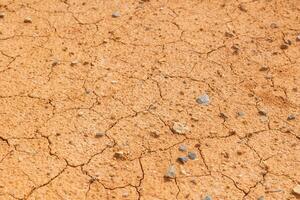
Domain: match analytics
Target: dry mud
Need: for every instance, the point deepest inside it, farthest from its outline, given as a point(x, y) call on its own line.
point(97, 96)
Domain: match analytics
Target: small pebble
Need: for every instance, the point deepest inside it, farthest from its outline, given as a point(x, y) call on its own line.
point(55, 62)
point(261, 198)
point(298, 38)
point(180, 128)
point(242, 8)
point(208, 198)
point(2, 15)
point(263, 69)
point(192, 155)
point(74, 62)
point(182, 148)
point(182, 159)
point(273, 25)
point(291, 117)
point(262, 112)
point(125, 194)
point(171, 172)
point(27, 20)
point(203, 100)
point(99, 134)
point(116, 14)
point(241, 114)
point(296, 189)
point(114, 82)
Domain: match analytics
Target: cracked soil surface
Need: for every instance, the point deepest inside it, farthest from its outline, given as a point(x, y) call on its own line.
point(88, 99)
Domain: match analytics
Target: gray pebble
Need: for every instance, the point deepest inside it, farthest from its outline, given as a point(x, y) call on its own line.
point(171, 172)
point(192, 155)
point(291, 117)
point(203, 100)
point(261, 198)
point(208, 198)
point(182, 148)
point(182, 159)
point(116, 14)
point(2, 15)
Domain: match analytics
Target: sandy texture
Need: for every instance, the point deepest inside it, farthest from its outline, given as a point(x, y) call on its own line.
point(149, 99)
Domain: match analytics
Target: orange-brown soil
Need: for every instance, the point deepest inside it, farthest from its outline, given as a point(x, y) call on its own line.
point(99, 99)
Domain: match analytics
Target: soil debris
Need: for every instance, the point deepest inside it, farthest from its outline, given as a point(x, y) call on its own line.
point(2, 15)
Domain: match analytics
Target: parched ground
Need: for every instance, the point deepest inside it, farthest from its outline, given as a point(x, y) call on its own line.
point(99, 99)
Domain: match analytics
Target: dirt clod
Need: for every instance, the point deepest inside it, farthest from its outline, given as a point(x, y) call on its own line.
point(2, 15)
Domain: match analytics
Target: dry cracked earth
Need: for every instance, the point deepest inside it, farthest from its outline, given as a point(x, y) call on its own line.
point(149, 99)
